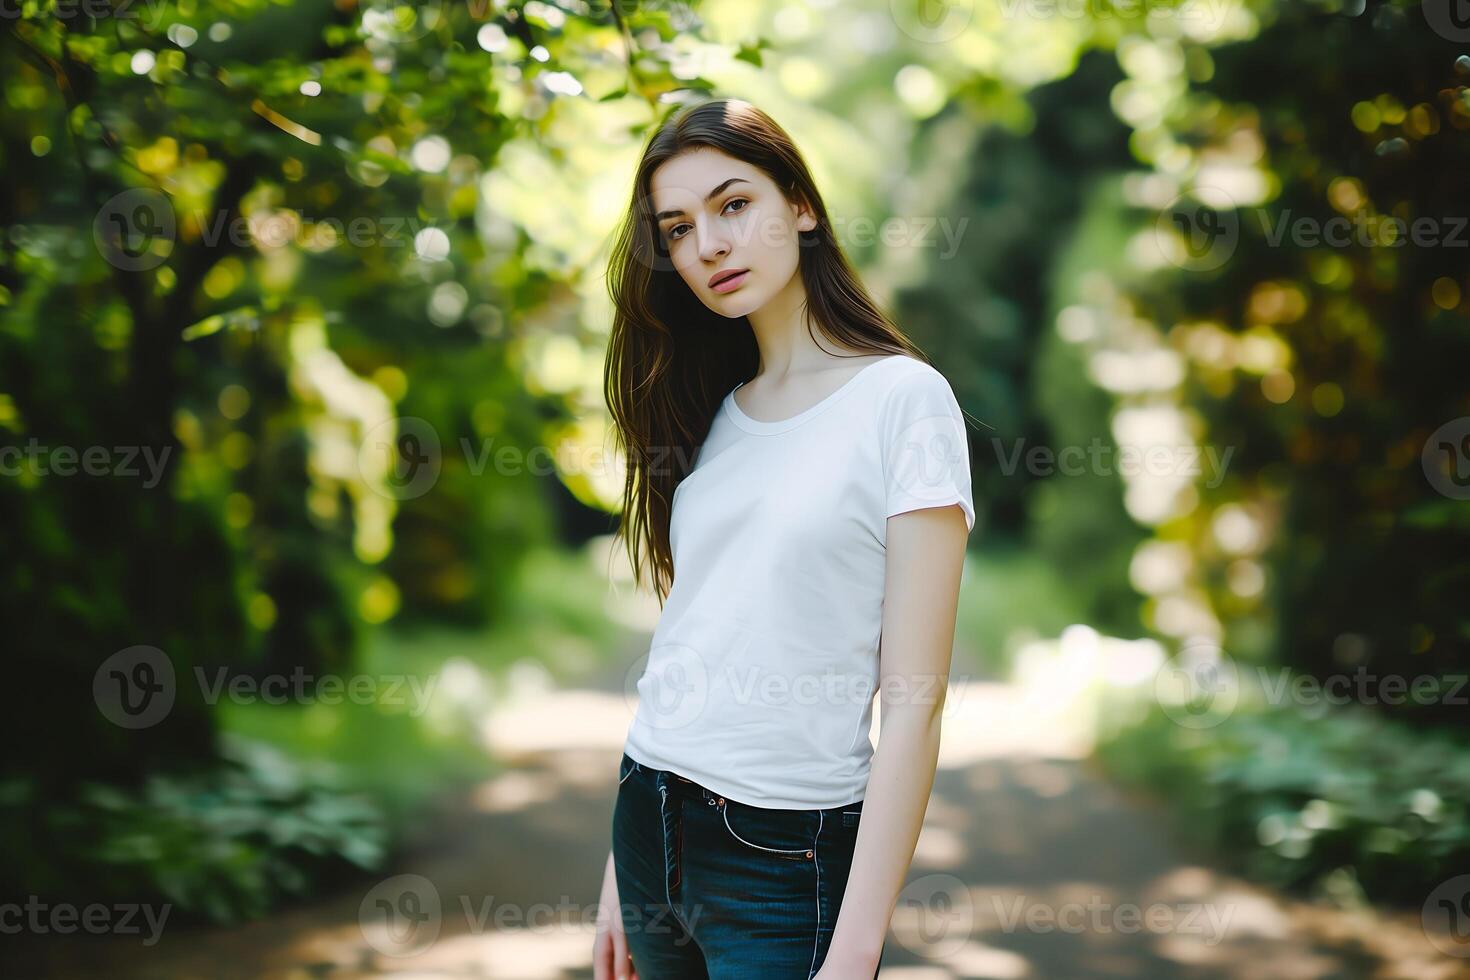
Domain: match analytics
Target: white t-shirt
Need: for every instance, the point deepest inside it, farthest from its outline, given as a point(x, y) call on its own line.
point(764, 664)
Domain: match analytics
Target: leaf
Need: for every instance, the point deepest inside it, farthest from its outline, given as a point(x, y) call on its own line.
point(750, 53)
point(246, 317)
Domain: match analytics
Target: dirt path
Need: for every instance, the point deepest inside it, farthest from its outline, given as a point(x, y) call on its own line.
point(1030, 867)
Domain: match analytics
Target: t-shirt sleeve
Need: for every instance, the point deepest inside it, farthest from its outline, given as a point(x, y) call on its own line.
point(926, 455)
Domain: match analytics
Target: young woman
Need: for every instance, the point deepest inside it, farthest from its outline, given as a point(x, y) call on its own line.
point(803, 506)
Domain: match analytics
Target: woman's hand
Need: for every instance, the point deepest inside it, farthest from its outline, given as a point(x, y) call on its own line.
point(837, 966)
point(610, 959)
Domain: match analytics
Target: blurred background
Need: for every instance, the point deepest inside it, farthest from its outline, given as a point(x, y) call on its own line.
point(320, 654)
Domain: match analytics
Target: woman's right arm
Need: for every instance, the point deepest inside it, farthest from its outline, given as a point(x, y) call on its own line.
point(610, 960)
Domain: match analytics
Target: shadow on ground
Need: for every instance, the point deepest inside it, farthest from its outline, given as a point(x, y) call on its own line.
point(1030, 867)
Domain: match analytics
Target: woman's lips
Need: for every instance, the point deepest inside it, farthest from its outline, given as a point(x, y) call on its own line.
point(731, 283)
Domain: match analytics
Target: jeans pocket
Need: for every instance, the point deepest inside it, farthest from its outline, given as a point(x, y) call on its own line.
point(626, 768)
point(852, 815)
point(787, 834)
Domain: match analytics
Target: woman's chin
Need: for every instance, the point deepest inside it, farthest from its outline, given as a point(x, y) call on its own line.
point(734, 306)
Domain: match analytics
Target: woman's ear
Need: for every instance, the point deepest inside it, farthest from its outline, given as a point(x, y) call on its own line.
point(806, 220)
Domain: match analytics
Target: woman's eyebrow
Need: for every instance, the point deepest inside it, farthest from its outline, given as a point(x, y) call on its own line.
point(675, 212)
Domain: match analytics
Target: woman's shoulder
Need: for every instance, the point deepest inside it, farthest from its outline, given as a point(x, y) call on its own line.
point(905, 374)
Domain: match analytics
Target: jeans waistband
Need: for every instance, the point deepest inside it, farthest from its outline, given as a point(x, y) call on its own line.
point(675, 782)
point(682, 785)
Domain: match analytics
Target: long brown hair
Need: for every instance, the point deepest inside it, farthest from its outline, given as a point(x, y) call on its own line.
point(671, 360)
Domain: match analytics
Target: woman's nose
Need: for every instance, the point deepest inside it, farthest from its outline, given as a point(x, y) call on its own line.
point(712, 245)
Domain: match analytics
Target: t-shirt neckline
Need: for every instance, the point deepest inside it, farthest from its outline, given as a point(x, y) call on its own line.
point(758, 427)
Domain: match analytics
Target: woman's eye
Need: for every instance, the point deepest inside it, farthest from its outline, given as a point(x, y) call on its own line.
point(674, 233)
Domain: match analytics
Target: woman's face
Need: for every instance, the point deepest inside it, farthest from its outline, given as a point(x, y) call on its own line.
point(718, 215)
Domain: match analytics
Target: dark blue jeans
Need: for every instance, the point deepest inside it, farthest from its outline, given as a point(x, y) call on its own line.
point(709, 887)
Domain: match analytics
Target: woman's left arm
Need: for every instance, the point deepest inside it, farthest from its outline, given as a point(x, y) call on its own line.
point(925, 556)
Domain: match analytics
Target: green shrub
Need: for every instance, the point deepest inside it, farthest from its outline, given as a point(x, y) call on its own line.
point(223, 845)
point(1311, 800)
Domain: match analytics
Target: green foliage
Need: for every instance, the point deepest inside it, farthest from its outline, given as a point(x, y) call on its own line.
point(225, 845)
point(379, 215)
point(1012, 595)
point(394, 759)
point(1309, 800)
point(1321, 364)
point(257, 307)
